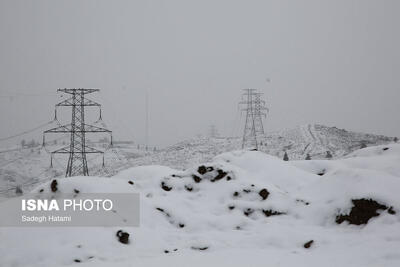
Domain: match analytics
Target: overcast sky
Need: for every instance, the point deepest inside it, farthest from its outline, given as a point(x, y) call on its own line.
point(330, 62)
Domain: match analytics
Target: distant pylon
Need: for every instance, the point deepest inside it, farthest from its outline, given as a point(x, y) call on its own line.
point(255, 109)
point(213, 131)
point(77, 149)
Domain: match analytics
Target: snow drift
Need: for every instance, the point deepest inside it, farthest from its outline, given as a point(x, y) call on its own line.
point(243, 208)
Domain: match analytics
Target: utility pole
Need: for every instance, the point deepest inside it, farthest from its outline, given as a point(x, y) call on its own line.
point(255, 109)
point(147, 120)
point(77, 149)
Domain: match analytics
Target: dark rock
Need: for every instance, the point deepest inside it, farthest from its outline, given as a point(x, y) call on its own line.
point(41, 190)
point(246, 190)
point(236, 194)
point(175, 249)
point(269, 213)
point(199, 248)
point(362, 210)
point(308, 244)
point(385, 148)
point(196, 178)
point(321, 173)
point(77, 260)
point(391, 211)
point(181, 225)
point(264, 193)
point(228, 178)
point(163, 211)
point(130, 182)
point(165, 187)
point(53, 186)
point(248, 212)
point(188, 188)
point(231, 207)
point(202, 169)
point(76, 191)
point(303, 201)
point(166, 251)
point(123, 237)
point(221, 174)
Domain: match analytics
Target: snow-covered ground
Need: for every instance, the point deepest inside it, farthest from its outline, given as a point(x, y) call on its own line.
point(27, 167)
point(315, 140)
point(242, 208)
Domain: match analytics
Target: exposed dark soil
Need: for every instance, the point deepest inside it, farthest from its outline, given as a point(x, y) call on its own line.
point(202, 169)
point(269, 213)
point(53, 186)
point(196, 178)
point(362, 211)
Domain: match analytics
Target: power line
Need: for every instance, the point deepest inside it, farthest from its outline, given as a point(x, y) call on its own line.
point(115, 116)
point(25, 132)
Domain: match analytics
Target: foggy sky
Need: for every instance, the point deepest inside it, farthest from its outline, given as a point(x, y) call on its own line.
point(330, 62)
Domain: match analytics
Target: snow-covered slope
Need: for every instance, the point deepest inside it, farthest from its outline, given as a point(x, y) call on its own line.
point(243, 208)
point(315, 140)
point(298, 142)
point(27, 167)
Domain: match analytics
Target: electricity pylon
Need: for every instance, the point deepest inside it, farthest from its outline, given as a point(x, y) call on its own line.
point(255, 110)
point(77, 149)
point(213, 131)
point(259, 113)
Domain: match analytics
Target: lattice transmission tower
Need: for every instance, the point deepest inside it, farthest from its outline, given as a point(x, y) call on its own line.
point(77, 148)
point(255, 109)
point(213, 132)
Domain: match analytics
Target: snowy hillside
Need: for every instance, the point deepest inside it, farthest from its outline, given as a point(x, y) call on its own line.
point(240, 209)
point(298, 142)
point(27, 167)
point(315, 140)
